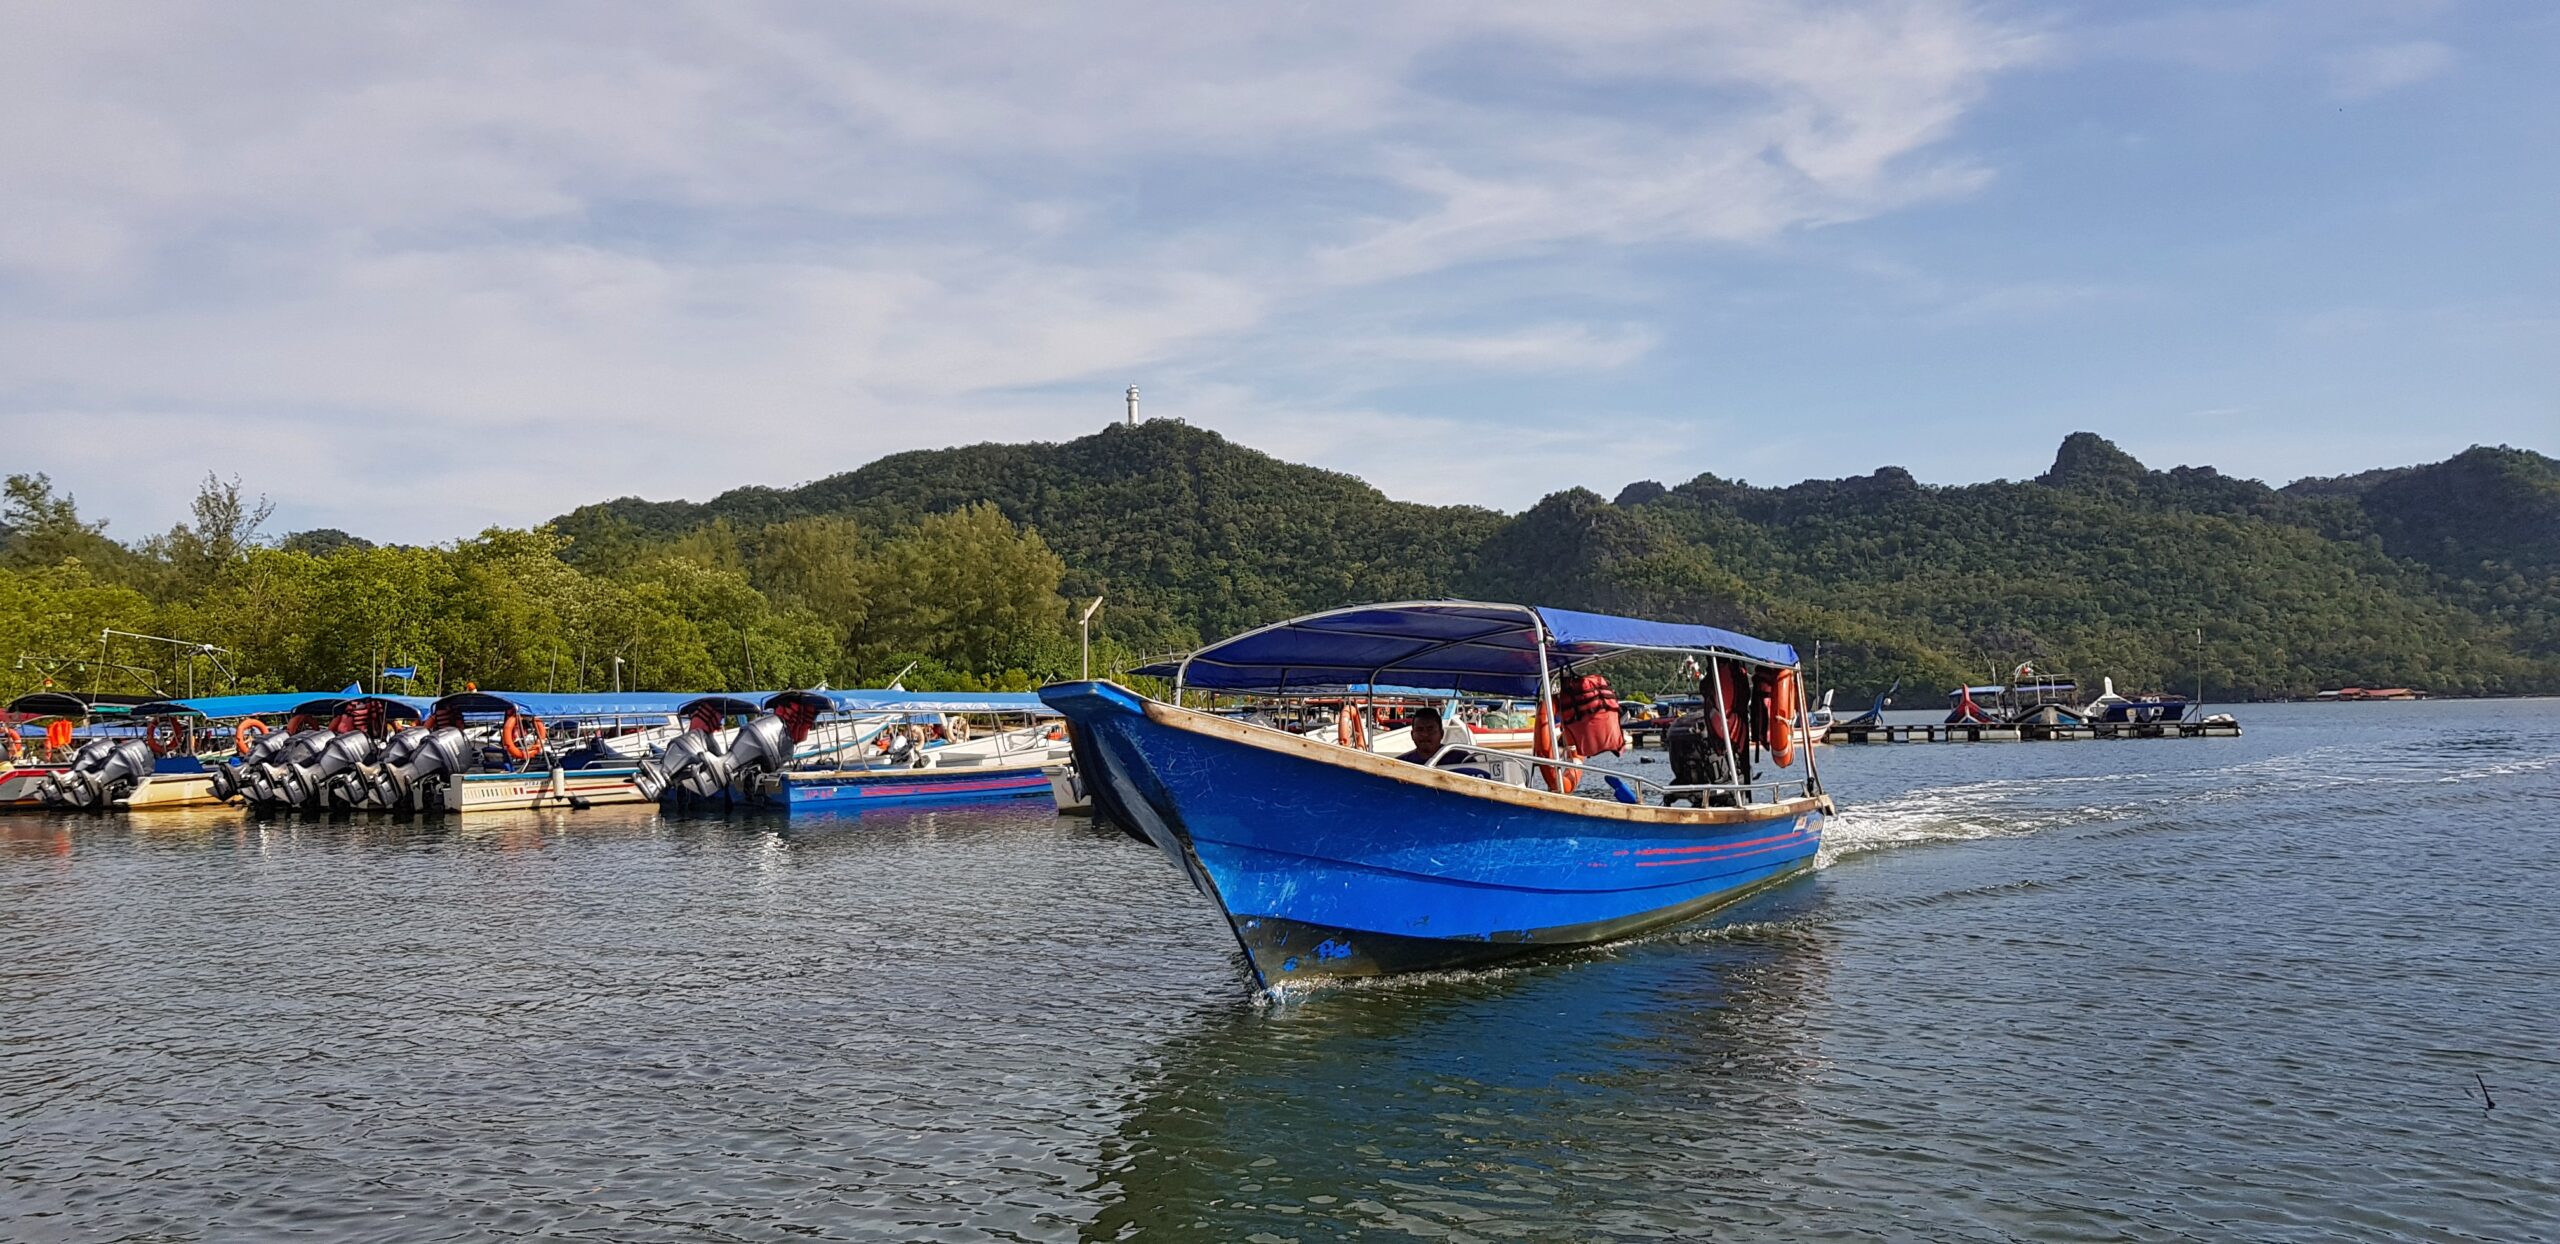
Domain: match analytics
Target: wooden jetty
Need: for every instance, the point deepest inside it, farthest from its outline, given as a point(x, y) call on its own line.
point(2033, 732)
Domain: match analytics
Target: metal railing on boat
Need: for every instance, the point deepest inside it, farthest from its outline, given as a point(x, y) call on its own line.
point(1804, 786)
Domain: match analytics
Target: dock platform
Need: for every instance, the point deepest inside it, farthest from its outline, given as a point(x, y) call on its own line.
point(2034, 733)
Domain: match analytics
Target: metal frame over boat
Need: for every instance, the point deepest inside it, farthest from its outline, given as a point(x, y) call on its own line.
point(1334, 861)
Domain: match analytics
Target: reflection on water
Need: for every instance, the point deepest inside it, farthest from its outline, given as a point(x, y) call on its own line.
point(2217, 988)
point(1563, 1093)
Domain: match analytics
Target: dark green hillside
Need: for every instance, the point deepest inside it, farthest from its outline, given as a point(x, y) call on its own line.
point(2438, 576)
point(1189, 534)
point(2486, 522)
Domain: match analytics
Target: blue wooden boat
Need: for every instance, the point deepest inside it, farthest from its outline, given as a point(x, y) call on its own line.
point(1333, 861)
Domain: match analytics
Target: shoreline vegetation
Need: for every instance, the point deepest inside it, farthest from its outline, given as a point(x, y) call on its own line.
point(958, 566)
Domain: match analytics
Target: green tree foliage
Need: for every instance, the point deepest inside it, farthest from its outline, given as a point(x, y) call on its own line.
point(959, 565)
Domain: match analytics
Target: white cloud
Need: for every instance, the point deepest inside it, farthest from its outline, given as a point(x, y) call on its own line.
point(419, 270)
point(2387, 67)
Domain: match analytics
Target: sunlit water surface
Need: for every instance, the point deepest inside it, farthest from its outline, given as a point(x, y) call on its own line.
point(2213, 989)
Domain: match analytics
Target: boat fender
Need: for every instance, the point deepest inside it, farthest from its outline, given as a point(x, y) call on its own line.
point(1350, 730)
point(242, 735)
point(165, 735)
point(523, 737)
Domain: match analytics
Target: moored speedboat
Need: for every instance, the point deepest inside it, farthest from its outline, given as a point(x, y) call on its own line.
point(1332, 861)
point(844, 750)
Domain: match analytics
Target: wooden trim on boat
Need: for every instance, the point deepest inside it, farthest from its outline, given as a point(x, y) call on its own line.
point(1270, 740)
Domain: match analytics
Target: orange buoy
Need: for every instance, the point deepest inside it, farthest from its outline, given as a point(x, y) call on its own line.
point(1784, 707)
point(249, 728)
point(523, 737)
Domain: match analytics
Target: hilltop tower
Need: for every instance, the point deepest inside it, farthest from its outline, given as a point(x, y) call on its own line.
point(1133, 405)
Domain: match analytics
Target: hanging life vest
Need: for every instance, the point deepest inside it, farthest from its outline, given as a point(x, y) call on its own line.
point(1590, 711)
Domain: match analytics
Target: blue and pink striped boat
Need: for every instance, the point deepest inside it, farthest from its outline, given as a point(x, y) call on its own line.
point(1332, 860)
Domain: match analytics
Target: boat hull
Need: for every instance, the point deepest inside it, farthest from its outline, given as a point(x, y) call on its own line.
point(1328, 862)
point(876, 788)
point(535, 789)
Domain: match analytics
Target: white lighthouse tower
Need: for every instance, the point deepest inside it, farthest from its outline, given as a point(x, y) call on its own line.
point(1133, 405)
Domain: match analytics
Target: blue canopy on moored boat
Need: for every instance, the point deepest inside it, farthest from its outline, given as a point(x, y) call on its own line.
point(1456, 644)
point(868, 703)
point(935, 702)
point(221, 707)
point(569, 704)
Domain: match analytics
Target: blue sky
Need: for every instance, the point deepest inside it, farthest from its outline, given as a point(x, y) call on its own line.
point(412, 273)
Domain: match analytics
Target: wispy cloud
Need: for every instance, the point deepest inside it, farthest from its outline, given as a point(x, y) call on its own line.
point(416, 270)
point(2387, 67)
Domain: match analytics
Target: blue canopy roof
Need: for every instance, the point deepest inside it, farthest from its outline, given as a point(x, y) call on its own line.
point(278, 704)
point(932, 702)
point(1456, 644)
point(573, 703)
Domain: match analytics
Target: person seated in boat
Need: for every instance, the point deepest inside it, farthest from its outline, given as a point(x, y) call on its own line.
point(1429, 736)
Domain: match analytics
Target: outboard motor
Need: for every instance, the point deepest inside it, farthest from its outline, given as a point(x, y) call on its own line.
point(101, 772)
point(694, 761)
point(304, 782)
point(228, 780)
point(674, 768)
point(762, 746)
point(264, 783)
point(410, 757)
point(1698, 758)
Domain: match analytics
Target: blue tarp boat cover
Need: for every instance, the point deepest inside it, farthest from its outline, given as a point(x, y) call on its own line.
point(277, 704)
point(859, 702)
point(567, 704)
point(1453, 644)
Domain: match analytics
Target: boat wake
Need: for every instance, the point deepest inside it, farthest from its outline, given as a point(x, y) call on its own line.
point(1971, 811)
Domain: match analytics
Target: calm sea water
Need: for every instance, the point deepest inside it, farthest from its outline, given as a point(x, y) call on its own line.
point(2213, 989)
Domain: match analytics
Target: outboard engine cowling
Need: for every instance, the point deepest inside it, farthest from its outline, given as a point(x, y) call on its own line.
point(762, 746)
point(230, 779)
point(100, 773)
point(674, 768)
point(265, 782)
point(412, 756)
point(301, 783)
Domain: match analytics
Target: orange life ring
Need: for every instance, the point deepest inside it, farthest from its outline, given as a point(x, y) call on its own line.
point(248, 729)
point(523, 737)
point(1057, 734)
point(1784, 707)
point(1349, 729)
point(16, 746)
point(164, 735)
point(57, 733)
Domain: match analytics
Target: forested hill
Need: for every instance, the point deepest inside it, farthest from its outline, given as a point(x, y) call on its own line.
point(2444, 576)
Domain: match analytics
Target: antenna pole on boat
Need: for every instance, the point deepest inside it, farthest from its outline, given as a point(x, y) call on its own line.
point(1084, 625)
